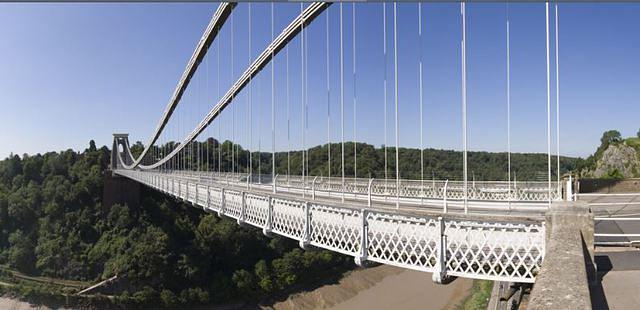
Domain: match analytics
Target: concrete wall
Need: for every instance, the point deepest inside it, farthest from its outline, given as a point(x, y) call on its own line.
point(609, 186)
point(568, 268)
point(120, 190)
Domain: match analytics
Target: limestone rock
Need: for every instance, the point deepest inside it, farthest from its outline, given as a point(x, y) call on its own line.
point(619, 157)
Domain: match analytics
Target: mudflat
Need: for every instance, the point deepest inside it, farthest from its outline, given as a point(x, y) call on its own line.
point(382, 287)
point(14, 304)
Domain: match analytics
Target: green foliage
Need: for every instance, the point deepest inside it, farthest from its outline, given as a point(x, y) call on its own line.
point(168, 298)
point(609, 137)
point(633, 142)
point(53, 223)
point(21, 254)
point(438, 164)
point(479, 296)
point(613, 174)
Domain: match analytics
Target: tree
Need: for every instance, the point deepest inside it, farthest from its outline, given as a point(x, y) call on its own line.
point(21, 255)
point(243, 280)
point(609, 137)
point(53, 223)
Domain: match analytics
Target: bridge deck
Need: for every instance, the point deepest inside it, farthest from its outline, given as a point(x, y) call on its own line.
point(479, 246)
point(515, 210)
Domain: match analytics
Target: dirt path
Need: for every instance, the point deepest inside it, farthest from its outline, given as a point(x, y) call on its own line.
point(14, 304)
point(381, 287)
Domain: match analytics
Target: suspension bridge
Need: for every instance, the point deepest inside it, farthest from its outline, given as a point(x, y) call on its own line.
point(450, 227)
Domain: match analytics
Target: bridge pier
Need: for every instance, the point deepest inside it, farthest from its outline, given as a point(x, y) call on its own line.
point(119, 190)
point(568, 268)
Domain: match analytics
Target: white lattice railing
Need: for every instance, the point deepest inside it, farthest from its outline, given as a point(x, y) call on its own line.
point(502, 191)
point(471, 248)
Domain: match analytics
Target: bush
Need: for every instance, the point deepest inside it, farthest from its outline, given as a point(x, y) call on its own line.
point(479, 296)
point(194, 295)
point(145, 296)
point(613, 174)
point(243, 280)
point(168, 298)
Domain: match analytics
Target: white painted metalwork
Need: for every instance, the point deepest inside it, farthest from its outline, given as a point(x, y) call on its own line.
point(448, 246)
point(548, 102)
point(395, 90)
point(508, 100)
point(305, 17)
point(557, 99)
point(360, 222)
point(213, 28)
point(616, 236)
point(463, 9)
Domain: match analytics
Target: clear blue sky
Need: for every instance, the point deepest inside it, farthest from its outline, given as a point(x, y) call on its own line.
point(74, 72)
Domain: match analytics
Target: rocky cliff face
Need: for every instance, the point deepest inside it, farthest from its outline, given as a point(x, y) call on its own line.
point(620, 157)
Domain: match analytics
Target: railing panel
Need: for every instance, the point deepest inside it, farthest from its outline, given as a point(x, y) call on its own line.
point(403, 241)
point(182, 193)
point(288, 218)
point(498, 251)
point(215, 198)
point(233, 203)
point(201, 199)
point(191, 193)
point(257, 210)
point(337, 229)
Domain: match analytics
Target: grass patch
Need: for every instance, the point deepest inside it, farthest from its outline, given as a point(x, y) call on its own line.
point(479, 296)
point(633, 142)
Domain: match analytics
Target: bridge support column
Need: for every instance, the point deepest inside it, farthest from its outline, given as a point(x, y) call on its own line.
point(243, 210)
point(222, 204)
point(568, 267)
point(440, 275)
point(208, 204)
point(364, 246)
point(195, 201)
point(267, 227)
point(306, 238)
point(179, 185)
point(120, 190)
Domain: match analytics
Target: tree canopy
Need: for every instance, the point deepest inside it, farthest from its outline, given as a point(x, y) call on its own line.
point(53, 223)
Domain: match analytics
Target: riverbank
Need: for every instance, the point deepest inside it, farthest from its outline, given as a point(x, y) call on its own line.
point(381, 287)
point(15, 304)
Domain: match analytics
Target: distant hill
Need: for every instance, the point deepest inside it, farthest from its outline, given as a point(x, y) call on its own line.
point(438, 164)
